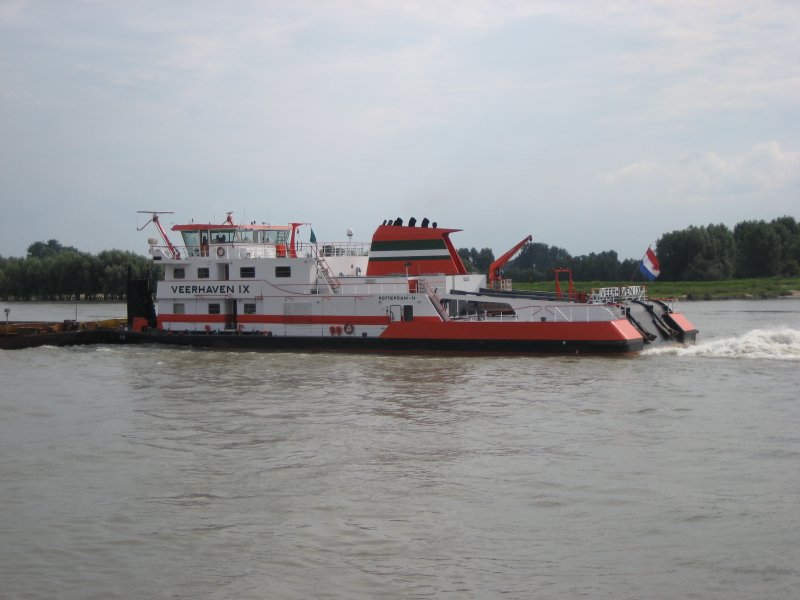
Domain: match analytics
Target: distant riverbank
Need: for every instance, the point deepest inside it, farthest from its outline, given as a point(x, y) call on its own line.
point(693, 290)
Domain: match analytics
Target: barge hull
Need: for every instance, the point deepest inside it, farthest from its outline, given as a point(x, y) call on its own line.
point(61, 338)
point(378, 345)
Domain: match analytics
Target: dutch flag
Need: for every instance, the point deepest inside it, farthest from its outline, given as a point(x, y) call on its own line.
point(649, 265)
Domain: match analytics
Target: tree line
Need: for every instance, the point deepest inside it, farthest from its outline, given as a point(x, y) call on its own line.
point(51, 271)
point(536, 261)
point(751, 249)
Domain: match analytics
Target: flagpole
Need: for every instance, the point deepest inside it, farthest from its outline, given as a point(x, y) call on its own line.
point(638, 264)
point(635, 270)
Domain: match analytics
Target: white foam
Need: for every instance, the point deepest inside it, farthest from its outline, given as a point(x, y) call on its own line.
point(775, 344)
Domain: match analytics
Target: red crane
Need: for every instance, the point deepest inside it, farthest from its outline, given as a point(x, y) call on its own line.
point(494, 268)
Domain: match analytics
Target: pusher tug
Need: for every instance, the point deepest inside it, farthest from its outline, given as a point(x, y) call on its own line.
point(259, 287)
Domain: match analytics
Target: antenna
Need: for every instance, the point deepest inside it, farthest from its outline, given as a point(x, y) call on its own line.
point(153, 216)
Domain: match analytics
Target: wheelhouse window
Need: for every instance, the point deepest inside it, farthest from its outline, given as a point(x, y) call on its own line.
point(247, 272)
point(249, 308)
point(179, 273)
point(191, 240)
point(178, 308)
point(222, 236)
point(213, 309)
point(273, 236)
point(202, 272)
point(283, 271)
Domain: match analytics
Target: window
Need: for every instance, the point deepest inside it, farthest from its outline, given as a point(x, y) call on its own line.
point(249, 309)
point(191, 241)
point(179, 308)
point(202, 272)
point(179, 273)
point(222, 236)
point(272, 236)
point(283, 271)
point(213, 309)
point(247, 272)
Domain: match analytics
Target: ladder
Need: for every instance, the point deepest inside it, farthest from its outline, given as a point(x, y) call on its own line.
point(436, 302)
point(325, 270)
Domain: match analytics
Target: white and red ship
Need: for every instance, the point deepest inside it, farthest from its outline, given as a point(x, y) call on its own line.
point(258, 286)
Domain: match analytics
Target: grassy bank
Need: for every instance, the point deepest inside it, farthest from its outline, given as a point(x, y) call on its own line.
point(692, 290)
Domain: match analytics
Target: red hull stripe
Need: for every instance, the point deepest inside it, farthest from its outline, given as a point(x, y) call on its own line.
point(619, 330)
point(289, 319)
point(313, 319)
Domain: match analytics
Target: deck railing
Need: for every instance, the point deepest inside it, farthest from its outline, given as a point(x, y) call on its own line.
point(250, 250)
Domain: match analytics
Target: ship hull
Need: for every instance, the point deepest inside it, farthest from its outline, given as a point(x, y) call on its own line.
point(255, 342)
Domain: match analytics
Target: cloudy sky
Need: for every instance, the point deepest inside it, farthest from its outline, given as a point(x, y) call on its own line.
point(590, 125)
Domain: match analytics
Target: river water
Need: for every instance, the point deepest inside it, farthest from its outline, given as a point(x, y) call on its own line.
point(137, 472)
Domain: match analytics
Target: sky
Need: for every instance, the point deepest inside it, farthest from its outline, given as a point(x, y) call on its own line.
point(592, 126)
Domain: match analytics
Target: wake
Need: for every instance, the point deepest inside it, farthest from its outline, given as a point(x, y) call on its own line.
point(774, 344)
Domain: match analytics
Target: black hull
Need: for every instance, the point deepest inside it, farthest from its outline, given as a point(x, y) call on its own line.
point(266, 343)
point(61, 338)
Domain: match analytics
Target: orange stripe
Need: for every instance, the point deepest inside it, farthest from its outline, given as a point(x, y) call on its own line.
point(314, 319)
point(285, 319)
point(487, 330)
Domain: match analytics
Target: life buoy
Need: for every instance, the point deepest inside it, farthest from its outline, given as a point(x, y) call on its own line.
point(348, 329)
point(220, 251)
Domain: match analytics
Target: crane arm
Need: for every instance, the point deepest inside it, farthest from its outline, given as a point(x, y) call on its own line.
point(494, 268)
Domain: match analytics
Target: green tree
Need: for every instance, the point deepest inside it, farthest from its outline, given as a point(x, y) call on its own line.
point(788, 230)
point(536, 261)
point(466, 258)
point(604, 266)
point(758, 249)
point(476, 261)
point(48, 249)
point(697, 253)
